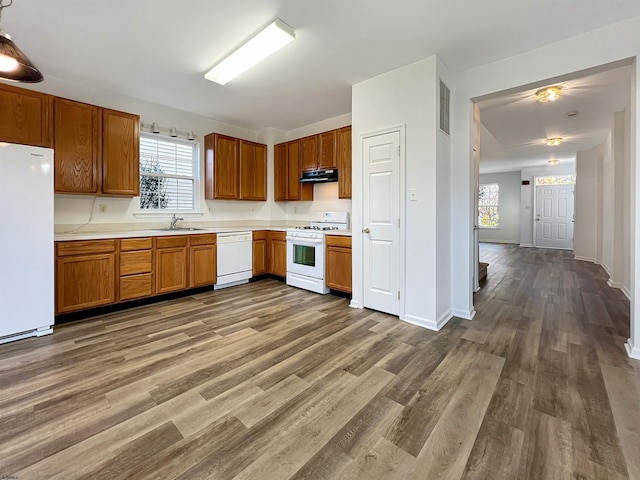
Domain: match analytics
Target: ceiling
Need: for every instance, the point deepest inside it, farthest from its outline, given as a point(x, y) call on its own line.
point(516, 124)
point(158, 50)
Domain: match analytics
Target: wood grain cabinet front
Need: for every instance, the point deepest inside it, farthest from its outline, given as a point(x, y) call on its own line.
point(338, 263)
point(277, 253)
point(25, 117)
point(76, 146)
point(171, 264)
point(85, 280)
point(136, 268)
point(259, 252)
point(344, 161)
point(287, 173)
point(202, 260)
point(120, 153)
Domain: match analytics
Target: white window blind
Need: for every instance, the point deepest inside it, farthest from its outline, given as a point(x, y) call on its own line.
point(168, 172)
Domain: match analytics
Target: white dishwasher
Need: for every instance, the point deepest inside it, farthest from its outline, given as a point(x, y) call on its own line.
point(235, 259)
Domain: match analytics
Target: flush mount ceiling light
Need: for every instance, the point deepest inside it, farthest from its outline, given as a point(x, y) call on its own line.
point(549, 94)
point(553, 142)
point(14, 65)
point(267, 41)
point(553, 161)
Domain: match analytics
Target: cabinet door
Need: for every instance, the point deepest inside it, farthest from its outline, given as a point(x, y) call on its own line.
point(253, 171)
point(338, 268)
point(25, 117)
point(277, 253)
point(171, 269)
point(259, 256)
point(327, 147)
point(344, 162)
point(294, 172)
point(226, 176)
point(309, 156)
point(85, 281)
point(76, 143)
point(202, 265)
point(280, 172)
point(120, 153)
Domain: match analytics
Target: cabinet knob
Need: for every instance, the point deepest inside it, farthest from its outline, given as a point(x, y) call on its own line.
point(366, 230)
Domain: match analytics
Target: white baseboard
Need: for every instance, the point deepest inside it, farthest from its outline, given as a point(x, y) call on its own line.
point(585, 259)
point(355, 304)
point(620, 287)
point(464, 314)
point(527, 245)
point(508, 242)
point(632, 351)
point(435, 325)
point(606, 269)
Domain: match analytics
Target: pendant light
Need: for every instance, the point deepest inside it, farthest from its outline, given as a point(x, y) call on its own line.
point(14, 65)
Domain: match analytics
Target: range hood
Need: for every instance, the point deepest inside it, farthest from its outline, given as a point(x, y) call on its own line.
point(320, 176)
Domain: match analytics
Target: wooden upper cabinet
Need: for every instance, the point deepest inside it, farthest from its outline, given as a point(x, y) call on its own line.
point(327, 148)
point(25, 117)
point(76, 144)
point(226, 168)
point(280, 172)
point(309, 155)
point(287, 173)
point(120, 153)
point(253, 171)
point(344, 162)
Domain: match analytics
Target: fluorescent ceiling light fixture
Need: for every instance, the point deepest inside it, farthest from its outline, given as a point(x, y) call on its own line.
point(553, 142)
point(264, 43)
point(549, 94)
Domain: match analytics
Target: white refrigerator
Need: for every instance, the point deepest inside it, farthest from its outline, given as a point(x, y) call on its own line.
point(26, 242)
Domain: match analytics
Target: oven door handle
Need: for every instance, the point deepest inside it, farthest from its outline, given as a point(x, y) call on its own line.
point(302, 241)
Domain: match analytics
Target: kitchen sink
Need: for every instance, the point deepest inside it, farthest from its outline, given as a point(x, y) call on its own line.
point(178, 229)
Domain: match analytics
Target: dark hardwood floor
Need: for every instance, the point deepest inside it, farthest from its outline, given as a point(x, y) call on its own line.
point(266, 381)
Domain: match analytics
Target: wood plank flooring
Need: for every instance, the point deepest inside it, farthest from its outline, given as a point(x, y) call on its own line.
point(265, 381)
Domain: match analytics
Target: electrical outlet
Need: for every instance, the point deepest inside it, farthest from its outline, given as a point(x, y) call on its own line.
point(295, 209)
point(103, 208)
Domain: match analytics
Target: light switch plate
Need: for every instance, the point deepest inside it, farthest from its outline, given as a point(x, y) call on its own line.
point(413, 195)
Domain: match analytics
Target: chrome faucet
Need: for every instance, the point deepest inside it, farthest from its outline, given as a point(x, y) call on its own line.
point(174, 220)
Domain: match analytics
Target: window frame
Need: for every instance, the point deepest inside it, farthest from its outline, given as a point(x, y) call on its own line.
point(197, 209)
point(496, 206)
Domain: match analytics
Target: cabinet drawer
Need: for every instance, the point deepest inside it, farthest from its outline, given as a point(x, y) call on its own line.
point(136, 262)
point(278, 236)
point(129, 244)
point(203, 239)
point(338, 241)
point(171, 242)
point(260, 235)
point(80, 247)
point(136, 286)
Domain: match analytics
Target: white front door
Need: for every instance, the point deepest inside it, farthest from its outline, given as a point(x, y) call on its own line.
point(381, 222)
point(554, 216)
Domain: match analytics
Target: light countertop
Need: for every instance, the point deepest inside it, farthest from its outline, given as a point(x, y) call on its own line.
point(88, 235)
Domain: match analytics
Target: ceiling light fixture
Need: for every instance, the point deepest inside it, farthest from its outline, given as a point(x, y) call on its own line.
point(264, 43)
point(14, 65)
point(549, 94)
point(553, 142)
point(554, 162)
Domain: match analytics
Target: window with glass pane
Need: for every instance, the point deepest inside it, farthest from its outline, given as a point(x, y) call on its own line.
point(168, 169)
point(488, 205)
point(556, 180)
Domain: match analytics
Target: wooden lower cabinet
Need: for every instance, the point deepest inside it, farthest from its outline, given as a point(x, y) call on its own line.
point(202, 260)
point(85, 274)
point(259, 252)
point(136, 268)
point(171, 269)
point(277, 253)
point(338, 263)
point(136, 286)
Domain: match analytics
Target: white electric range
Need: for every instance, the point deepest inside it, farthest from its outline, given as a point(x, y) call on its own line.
point(306, 247)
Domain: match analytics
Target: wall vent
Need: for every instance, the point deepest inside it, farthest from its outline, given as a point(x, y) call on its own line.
point(445, 95)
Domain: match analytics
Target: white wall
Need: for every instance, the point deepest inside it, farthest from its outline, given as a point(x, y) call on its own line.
point(508, 208)
point(408, 96)
point(537, 67)
point(587, 244)
point(527, 205)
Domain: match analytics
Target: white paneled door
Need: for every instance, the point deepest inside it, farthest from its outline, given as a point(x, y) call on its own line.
point(554, 216)
point(381, 222)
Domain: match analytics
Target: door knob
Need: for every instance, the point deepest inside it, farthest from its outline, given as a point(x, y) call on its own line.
point(366, 230)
